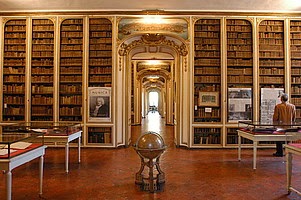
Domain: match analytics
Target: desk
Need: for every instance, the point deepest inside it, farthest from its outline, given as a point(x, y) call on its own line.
point(290, 149)
point(66, 139)
point(10, 163)
point(258, 138)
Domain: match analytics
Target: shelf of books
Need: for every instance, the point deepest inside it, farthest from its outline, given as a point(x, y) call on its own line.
point(207, 70)
point(271, 54)
point(42, 70)
point(70, 72)
point(232, 137)
point(239, 69)
point(207, 136)
point(295, 50)
point(239, 53)
point(14, 65)
point(100, 52)
point(99, 136)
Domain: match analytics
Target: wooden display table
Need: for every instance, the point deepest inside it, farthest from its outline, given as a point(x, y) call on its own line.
point(21, 157)
point(51, 132)
point(290, 149)
point(66, 139)
point(258, 138)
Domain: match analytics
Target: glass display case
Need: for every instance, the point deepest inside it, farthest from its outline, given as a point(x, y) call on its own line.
point(16, 140)
point(257, 127)
point(53, 134)
point(48, 128)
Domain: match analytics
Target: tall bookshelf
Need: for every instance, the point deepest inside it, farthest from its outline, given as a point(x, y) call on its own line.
point(42, 70)
point(239, 70)
point(100, 70)
point(271, 54)
point(207, 66)
point(14, 65)
point(239, 53)
point(295, 50)
point(100, 52)
point(70, 72)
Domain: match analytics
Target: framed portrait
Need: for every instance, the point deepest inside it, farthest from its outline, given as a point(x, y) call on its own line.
point(208, 99)
point(99, 104)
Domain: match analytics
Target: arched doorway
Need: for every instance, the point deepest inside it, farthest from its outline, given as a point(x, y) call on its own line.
point(134, 54)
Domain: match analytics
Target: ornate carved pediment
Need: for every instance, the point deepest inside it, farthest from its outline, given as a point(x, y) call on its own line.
point(152, 39)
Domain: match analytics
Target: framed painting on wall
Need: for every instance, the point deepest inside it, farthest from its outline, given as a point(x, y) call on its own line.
point(208, 99)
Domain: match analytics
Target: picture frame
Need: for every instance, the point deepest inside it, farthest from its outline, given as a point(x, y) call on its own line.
point(208, 99)
point(239, 104)
point(99, 104)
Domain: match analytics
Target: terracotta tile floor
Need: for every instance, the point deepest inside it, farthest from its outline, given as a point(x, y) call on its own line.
point(199, 174)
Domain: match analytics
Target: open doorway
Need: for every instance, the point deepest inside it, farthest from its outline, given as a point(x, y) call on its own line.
point(153, 99)
point(152, 62)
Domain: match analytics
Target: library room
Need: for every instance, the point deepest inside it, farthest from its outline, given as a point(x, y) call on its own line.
point(192, 100)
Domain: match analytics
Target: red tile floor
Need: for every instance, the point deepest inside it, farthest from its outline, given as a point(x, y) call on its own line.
point(199, 174)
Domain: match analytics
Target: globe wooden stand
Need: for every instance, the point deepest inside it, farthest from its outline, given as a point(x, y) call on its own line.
point(150, 147)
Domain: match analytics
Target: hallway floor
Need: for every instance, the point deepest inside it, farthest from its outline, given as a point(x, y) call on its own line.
point(198, 174)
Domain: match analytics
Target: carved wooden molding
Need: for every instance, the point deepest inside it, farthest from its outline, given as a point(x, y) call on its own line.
point(152, 39)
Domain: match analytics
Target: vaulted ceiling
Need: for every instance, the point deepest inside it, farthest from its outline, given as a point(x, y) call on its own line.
point(135, 5)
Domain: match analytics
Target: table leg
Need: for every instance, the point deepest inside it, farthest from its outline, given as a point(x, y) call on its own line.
point(79, 141)
point(8, 184)
point(254, 154)
point(239, 147)
point(67, 157)
point(289, 159)
point(41, 166)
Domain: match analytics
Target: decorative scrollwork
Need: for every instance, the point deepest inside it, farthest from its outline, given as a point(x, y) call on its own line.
point(152, 39)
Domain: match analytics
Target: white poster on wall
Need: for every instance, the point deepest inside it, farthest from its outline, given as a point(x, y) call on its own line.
point(239, 104)
point(269, 98)
point(99, 103)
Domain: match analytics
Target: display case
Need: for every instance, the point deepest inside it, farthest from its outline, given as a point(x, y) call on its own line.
point(259, 127)
point(54, 133)
point(16, 140)
point(48, 128)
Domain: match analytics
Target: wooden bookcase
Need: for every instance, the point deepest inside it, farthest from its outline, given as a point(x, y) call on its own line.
point(239, 53)
point(207, 66)
point(70, 72)
point(207, 136)
point(295, 52)
point(14, 68)
point(42, 70)
point(271, 54)
point(100, 52)
point(232, 137)
point(99, 135)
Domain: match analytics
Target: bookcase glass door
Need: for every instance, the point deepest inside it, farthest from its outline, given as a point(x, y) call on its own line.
point(239, 53)
point(70, 78)
point(295, 38)
point(99, 135)
point(100, 52)
point(239, 69)
point(207, 136)
point(271, 54)
point(14, 64)
point(42, 70)
point(207, 68)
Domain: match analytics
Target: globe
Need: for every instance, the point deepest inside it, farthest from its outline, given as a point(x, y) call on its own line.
point(150, 145)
